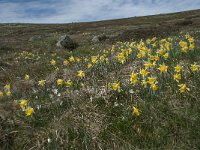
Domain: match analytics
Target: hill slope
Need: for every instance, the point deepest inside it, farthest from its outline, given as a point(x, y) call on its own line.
point(137, 88)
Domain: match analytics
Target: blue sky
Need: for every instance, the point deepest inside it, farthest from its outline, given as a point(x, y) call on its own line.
point(66, 11)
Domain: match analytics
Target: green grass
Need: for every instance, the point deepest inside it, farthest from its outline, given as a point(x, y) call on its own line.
point(89, 114)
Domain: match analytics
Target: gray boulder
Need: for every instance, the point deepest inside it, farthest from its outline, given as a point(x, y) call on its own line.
point(66, 42)
point(95, 39)
point(99, 38)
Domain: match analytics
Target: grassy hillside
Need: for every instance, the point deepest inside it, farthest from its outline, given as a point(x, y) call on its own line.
point(137, 89)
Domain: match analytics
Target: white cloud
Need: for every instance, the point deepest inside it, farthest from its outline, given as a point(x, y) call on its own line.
point(64, 11)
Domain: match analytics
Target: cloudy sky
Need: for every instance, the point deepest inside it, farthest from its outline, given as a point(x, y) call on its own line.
point(65, 11)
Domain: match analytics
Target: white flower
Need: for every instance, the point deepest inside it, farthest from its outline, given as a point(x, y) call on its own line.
point(38, 107)
point(55, 91)
point(49, 140)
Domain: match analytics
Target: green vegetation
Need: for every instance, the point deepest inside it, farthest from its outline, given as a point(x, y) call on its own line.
point(138, 89)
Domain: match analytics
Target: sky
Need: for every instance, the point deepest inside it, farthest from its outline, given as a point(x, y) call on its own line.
point(67, 11)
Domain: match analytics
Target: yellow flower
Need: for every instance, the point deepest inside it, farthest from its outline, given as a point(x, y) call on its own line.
point(156, 58)
point(1, 94)
point(81, 74)
point(154, 44)
point(86, 59)
point(136, 111)
point(69, 83)
point(65, 62)
point(27, 77)
point(177, 77)
point(160, 52)
point(41, 82)
point(60, 82)
point(29, 111)
point(151, 57)
point(94, 59)
point(144, 73)
point(89, 66)
point(191, 40)
point(7, 87)
point(184, 46)
point(147, 65)
point(71, 59)
point(166, 55)
point(23, 103)
point(139, 55)
point(183, 88)
point(116, 86)
point(151, 80)
point(78, 60)
point(8, 93)
point(154, 87)
point(133, 78)
point(194, 67)
point(178, 68)
point(144, 83)
point(163, 68)
point(102, 58)
point(121, 58)
point(192, 46)
point(53, 62)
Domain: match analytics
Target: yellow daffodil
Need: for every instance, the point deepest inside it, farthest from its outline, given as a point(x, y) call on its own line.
point(184, 46)
point(144, 83)
point(191, 40)
point(166, 55)
point(27, 77)
point(177, 77)
point(29, 111)
point(121, 58)
point(7, 87)
point(154, 87)
point(151, 80)
point(60, 82)
point(136, 111)
point(68, 82)
point(163, 68)
point(89, 65)
point(178, 68)
point(194, 67)
point(53, 62)
point(78, 60)
point(144, 73)
point(156, 58)
point(8, 93)
point(133, 78)
point(81, 74)
point(65, 62)
point(41, 82)
point(116, 86)
point(192, 46)
point(23, 103)
point(183, 88)
point(139, 55)
point(86, 59)
point(71, 59)
point(1, 94)
point(94, 59)
point(160, 52)
point(147, 65)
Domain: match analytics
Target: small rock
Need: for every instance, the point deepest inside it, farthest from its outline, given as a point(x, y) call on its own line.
point(66, 42)
point(99, 38)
